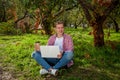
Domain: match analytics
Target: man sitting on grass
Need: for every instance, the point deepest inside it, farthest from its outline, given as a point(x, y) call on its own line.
point(65, 56)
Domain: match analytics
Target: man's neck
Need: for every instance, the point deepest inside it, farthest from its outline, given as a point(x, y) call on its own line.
point(59, 35)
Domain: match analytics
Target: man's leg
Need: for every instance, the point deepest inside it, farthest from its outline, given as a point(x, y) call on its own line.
point(37, 56)
point(52, 61)
point(67, 56)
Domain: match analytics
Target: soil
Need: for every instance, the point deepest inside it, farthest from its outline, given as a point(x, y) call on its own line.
point(4, 75)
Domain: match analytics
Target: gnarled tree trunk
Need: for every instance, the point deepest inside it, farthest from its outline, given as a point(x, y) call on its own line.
point(98, 34)
point(47, 27)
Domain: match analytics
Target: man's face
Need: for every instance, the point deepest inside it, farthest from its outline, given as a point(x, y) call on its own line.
point(59, 29)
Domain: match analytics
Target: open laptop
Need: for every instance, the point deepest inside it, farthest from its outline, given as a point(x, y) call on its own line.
point(49, 51)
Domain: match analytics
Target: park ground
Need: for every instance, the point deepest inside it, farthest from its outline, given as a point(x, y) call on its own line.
point(90, 63)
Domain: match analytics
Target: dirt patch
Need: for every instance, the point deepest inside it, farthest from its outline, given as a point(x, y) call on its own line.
point(4, 75)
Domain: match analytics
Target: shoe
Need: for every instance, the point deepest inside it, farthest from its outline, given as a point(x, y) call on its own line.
point(70, 64)
point(54, 72)
point(43, 71)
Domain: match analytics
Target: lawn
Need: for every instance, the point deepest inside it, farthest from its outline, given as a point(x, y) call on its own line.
point(90, 63)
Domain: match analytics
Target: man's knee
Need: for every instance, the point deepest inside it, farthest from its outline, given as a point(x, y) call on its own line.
point(69, 55)
point(34, 54)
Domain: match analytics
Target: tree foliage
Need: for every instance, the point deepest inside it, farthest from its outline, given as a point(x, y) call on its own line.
point(49, 10)
point(28, 15)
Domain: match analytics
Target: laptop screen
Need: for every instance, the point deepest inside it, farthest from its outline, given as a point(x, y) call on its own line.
point(49, 51)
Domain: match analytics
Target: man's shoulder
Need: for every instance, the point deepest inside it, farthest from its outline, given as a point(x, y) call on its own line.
point(53, 36)
point(67, 35)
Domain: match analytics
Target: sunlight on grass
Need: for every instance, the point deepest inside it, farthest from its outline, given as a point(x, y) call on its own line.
point(90, 63)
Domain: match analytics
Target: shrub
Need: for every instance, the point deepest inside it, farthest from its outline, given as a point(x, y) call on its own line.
point(8, 28)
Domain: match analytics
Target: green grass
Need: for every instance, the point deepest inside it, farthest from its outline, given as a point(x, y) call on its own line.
point(90, 63)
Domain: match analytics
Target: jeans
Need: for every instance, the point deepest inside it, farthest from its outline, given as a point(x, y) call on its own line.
point(58, 63)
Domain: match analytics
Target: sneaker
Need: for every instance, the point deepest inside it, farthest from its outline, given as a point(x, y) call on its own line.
point(43, 71)
point(54, 72)
point(70, 63)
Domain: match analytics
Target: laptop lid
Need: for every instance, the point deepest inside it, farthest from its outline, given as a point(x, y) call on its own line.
point(49, 51)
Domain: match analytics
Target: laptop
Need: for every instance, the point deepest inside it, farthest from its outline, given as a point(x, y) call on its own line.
point(49, 51)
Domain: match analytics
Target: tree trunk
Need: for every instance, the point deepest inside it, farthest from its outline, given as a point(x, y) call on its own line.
point(75, 25)
point(98, 34)
point(15, 23)
point(4, 12)
point(116, 26)
point(47, 27)
point(115, 23)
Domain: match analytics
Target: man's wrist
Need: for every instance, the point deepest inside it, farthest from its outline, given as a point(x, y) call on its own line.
point(61, 52)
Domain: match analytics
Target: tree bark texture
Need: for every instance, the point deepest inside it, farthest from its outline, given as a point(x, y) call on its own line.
point(98, 34)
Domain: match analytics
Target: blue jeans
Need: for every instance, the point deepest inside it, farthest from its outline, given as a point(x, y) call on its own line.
point(58, 63)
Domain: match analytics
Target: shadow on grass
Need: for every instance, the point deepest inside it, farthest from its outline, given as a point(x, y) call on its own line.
point(87, 74)
point(80, 73)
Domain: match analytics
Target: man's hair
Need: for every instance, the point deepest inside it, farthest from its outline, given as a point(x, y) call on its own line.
point(58, 22)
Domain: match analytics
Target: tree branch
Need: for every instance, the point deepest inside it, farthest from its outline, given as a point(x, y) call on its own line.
point(26, 12)
point(86, 7)
point(62, 10)
point(114, 3)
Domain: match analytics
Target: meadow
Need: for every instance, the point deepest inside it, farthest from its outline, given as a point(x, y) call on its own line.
point(90, 63)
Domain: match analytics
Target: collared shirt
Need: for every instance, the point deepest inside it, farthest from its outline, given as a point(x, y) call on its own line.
point(67, 42)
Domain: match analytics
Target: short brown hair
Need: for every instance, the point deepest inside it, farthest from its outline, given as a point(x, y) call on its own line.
point(58, 22)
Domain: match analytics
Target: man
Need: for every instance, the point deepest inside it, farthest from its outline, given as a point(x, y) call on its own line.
point(65, 56)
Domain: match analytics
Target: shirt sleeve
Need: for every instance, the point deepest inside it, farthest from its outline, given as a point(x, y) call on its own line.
point(51, 40)
point(69, 45)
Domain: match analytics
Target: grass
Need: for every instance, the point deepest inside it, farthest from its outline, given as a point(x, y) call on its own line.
point(90, 63)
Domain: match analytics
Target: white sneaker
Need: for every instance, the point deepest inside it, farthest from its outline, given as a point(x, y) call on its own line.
point(54, 72)
point(43, 71)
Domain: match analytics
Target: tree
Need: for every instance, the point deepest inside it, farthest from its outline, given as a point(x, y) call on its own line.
point(3, 17)
point(96, 13)
point(73, 17)
point(22, 23)
point(115, 17)
point(50, 10)
point(7, 10)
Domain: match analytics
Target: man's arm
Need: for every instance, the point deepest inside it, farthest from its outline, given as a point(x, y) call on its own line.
point(69, 44)
point(51, 40)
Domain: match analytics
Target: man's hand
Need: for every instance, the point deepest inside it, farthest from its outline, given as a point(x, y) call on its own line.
point(37, 47)
point(59, 55)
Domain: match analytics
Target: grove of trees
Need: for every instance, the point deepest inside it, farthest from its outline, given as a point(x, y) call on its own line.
point(28, 15)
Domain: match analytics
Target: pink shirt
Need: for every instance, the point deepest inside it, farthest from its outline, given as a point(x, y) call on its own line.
point(67, 42)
